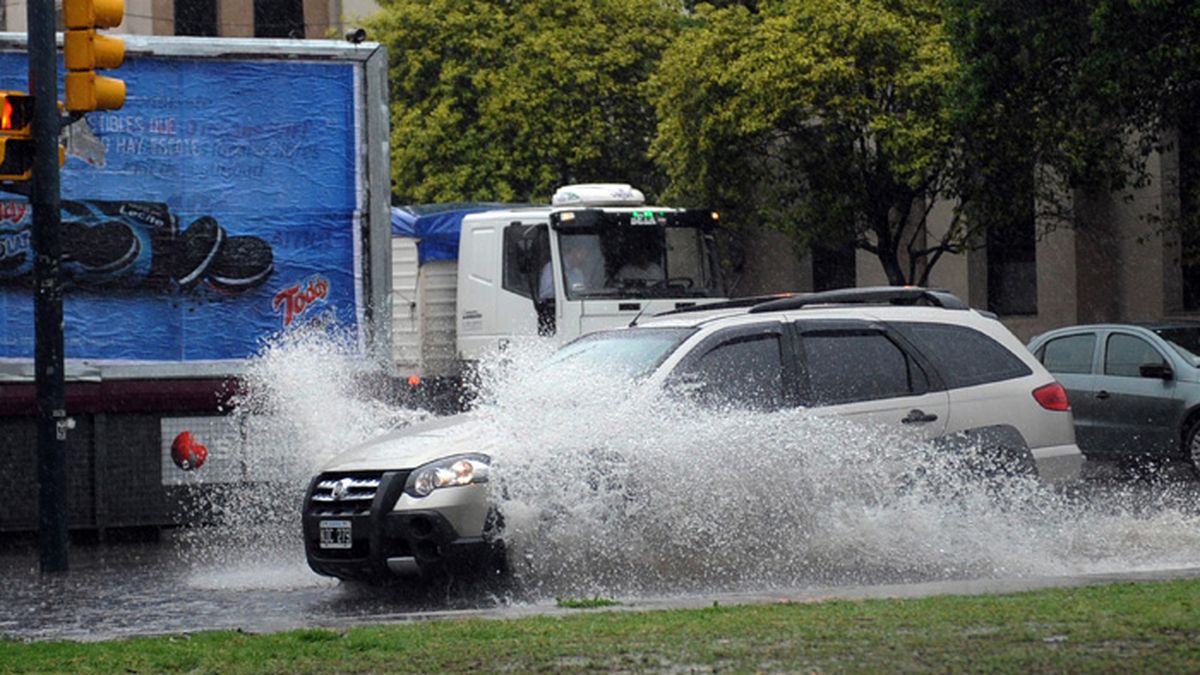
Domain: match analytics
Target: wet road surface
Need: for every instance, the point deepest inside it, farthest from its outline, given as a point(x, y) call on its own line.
point(115, 590)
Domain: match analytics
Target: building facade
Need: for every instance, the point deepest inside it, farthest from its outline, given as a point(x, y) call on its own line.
point(1122, 260)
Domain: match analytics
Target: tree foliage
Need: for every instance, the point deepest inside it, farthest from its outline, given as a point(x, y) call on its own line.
point(1077, 93)
point(825, 118)
point(841, 122)
point(503, 101)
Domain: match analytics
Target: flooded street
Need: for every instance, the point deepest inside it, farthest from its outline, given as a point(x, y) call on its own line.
point(117, 590)
point(619, 497)
point(179, 585)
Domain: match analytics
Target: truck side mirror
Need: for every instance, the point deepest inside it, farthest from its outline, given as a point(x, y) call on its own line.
point(547, 326)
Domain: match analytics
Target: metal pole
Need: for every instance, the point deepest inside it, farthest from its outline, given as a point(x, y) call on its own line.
point(47, 300)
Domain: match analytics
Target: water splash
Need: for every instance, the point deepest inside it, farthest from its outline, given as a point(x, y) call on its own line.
point(306, 397)
point(610, 488)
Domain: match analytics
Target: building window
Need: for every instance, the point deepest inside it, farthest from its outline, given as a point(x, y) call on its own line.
point(278, 18)
point(1189, 203)
point(1012, 261)
point(196, 17)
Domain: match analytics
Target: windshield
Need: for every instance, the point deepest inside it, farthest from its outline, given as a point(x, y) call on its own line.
point(639, 261)
point(628, 353)
point(1184, 339)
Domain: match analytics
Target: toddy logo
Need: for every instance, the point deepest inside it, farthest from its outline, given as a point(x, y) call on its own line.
point(13, 211)
point(295, 300)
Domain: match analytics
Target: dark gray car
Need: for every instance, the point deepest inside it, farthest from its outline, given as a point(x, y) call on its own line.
point(1134, 388)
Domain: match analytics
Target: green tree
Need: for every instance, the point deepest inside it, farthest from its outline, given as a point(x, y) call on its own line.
point(827, 119)
point(1072, 94)
point(504, 101)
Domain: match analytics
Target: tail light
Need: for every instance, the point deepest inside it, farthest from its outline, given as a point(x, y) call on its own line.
point(1052, 397)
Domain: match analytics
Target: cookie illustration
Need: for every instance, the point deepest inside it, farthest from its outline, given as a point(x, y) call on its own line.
point(241, 264)
point(196, 250)
point(105, 250)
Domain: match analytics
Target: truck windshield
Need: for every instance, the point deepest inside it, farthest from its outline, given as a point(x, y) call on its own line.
point(645, 261)
point(629, 352)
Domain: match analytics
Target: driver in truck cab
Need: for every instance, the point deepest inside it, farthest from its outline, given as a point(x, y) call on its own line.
point(642, 268)
point(584, 268)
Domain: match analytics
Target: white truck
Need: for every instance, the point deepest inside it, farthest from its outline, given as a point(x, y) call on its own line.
point(467, 279)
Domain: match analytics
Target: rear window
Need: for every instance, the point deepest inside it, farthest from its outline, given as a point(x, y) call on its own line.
point(1071, 355)
point(964, 356)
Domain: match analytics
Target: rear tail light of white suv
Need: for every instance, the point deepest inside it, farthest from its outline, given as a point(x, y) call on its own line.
point(1052, 397)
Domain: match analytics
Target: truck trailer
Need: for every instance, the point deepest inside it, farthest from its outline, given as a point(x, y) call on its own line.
point(241, 191)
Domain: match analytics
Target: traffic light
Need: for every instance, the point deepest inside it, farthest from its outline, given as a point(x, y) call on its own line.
point(85, 51)
point(16, 131)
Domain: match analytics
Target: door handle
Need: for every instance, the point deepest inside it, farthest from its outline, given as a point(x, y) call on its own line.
point(1102, 394)
point(917, 416)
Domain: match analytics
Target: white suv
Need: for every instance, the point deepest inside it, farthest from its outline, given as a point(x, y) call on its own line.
point(918, 360)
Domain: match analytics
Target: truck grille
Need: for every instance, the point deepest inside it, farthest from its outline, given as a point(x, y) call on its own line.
point(343, 495)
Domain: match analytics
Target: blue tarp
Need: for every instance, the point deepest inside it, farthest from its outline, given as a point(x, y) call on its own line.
point(435, 227)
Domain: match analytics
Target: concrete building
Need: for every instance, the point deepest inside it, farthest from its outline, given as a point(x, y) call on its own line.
point(1121, 261)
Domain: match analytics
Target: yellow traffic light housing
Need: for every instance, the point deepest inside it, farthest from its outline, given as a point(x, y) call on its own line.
point(16, 136)
point(88, 91)
point(85, 51)
point(16, 113)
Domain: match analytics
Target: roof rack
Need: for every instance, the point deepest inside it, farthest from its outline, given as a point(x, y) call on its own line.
point(748, 301)
point(876, 295)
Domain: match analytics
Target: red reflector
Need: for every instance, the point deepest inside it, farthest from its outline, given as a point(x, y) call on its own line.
point(1052, 397)
point(414, 380)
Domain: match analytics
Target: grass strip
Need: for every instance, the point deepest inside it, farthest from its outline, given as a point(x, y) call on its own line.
point(1125, 627)
point(586, 603)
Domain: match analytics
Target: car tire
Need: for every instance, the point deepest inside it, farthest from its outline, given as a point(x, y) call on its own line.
point(1191, 446)
point(995, 452)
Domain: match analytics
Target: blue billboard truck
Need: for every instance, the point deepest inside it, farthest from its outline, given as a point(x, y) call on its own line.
point(241, 191)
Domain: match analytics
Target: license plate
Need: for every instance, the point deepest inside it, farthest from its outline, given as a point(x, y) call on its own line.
point(335, 534)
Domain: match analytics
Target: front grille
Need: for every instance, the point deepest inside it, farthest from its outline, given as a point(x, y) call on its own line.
point(343, 494)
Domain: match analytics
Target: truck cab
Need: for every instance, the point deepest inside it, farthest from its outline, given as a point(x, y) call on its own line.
point(597, 257)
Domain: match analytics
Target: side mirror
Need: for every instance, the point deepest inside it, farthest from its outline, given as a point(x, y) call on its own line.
point(687, 385)
point(547, 324)
point(1159, 371)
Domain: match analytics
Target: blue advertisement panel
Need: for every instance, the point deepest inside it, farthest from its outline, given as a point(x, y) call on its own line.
point(218, 207)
